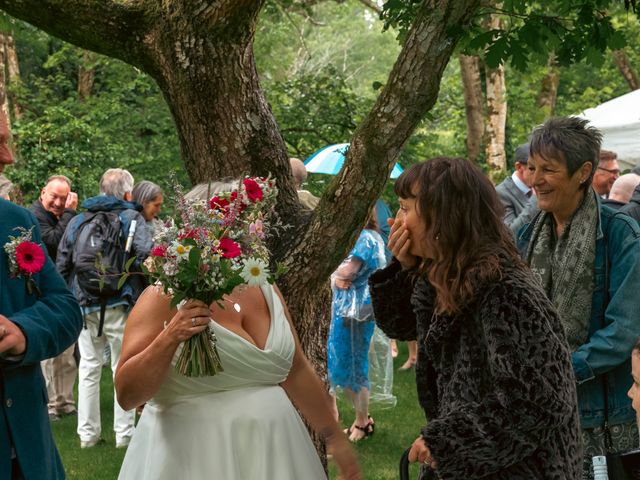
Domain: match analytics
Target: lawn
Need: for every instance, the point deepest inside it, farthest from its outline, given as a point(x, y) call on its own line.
point(396, 429)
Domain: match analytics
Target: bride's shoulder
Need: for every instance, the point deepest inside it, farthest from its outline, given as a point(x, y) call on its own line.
point(152, 303)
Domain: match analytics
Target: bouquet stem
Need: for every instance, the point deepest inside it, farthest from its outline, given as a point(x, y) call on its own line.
point(199, 356)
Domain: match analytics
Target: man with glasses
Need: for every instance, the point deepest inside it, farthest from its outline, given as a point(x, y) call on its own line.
point(606, 173)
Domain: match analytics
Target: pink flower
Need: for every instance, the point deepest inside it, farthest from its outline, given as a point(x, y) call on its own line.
point(159, 251)
point(254, 192)
point(230, 249)
point(256, 228)
point(30, 257)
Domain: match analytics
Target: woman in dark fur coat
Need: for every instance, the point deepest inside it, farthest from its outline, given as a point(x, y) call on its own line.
point(494, 374)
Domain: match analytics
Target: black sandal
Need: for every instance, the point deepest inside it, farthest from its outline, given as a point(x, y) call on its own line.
point(368, 431)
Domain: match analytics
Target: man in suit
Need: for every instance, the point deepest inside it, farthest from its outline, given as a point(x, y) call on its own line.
point(517, 196)
point(54, 210)
point(33, 326)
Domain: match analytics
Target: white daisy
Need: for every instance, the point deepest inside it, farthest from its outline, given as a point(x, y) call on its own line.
point(179, 250)
point(254, 272)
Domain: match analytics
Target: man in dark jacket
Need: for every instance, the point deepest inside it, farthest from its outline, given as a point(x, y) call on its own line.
point(54, 210)
point(115, 196)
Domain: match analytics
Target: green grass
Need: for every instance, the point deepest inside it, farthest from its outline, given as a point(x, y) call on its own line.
point(396, 429)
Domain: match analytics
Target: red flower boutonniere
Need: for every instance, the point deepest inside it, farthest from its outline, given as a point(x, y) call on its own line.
point(26, 258)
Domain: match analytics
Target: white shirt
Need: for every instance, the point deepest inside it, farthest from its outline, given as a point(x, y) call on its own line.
point(520, 184)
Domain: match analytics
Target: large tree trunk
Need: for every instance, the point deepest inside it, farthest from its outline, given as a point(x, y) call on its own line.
point(626, 69)
point(13, 70)
point(496, 114)
point(200, 54)
point(473, 104)
point(546, 101)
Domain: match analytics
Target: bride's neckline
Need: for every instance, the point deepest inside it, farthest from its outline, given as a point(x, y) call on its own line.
point(249, 340)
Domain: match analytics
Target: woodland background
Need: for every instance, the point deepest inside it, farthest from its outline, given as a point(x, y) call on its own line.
point(77, 113)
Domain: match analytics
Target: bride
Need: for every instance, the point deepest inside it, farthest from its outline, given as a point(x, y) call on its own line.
point(238, 424)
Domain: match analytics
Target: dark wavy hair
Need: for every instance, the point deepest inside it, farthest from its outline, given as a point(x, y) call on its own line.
point(463, 218)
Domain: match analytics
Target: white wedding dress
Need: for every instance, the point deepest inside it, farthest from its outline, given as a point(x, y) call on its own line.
point(236, 425)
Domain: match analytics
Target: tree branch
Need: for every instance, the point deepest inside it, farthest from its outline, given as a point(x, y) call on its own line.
point(372, 5)
point(410, 92)
point(110, 27)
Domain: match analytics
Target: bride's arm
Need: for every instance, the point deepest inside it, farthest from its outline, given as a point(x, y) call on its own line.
point(308, 394)
point(148, 347)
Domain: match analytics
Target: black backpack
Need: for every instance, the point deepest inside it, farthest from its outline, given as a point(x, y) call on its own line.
point(99, 258)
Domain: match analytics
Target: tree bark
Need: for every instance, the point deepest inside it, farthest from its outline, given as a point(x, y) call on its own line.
point(546, 101)
point(626, 69)
point(473, 104)
point(496, 114)
point(4, 99)
point(13, 70)
point(86, 75)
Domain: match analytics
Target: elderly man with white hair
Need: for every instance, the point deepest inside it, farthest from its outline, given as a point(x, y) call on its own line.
point(299, 172)
point(622, 190)
point(104, 318)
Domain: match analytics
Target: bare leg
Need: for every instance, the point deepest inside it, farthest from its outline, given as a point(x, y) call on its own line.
point(413, 355)
point(394, 348)
point(360, 402)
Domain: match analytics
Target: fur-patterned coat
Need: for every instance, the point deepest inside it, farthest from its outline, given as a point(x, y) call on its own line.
point(495, 381)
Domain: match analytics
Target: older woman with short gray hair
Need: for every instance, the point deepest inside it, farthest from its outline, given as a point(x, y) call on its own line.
point(149, 195)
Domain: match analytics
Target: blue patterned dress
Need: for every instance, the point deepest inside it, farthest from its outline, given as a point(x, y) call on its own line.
point(352, 322)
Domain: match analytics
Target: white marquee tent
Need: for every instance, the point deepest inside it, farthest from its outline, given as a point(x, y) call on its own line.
point(619, 122)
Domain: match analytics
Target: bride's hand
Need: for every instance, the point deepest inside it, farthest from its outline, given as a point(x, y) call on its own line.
point(191, 318)
point(344, 457)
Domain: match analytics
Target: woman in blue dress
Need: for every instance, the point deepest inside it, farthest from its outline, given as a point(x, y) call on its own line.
point(352, 325)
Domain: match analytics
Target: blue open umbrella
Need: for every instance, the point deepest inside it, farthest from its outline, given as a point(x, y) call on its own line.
point(330, 159)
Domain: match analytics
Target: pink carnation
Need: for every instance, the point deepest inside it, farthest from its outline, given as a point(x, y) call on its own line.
point(159, 251)
point(254, 192)
point(30, 257)
point(230, 249)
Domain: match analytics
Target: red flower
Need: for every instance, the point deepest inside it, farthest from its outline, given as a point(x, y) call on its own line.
point(217, 203)
point(30, 257)
point(159, 251)
point(230, 249)
point(241, 205)
point(254, 192)
point(193, 233)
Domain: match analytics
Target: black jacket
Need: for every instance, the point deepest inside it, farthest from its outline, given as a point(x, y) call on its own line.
point(51, 227)
point(633, 207)
point(495, 382)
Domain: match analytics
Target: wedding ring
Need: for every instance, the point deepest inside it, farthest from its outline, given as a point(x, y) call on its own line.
point(193, 321)
point(427, 462)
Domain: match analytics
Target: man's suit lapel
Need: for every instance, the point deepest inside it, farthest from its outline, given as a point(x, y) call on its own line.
point(517, 194)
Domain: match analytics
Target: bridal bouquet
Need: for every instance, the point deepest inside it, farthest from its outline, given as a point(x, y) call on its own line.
point(216, 246)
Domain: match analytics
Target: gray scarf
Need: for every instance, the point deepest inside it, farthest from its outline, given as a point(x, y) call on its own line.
point(565, 266)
